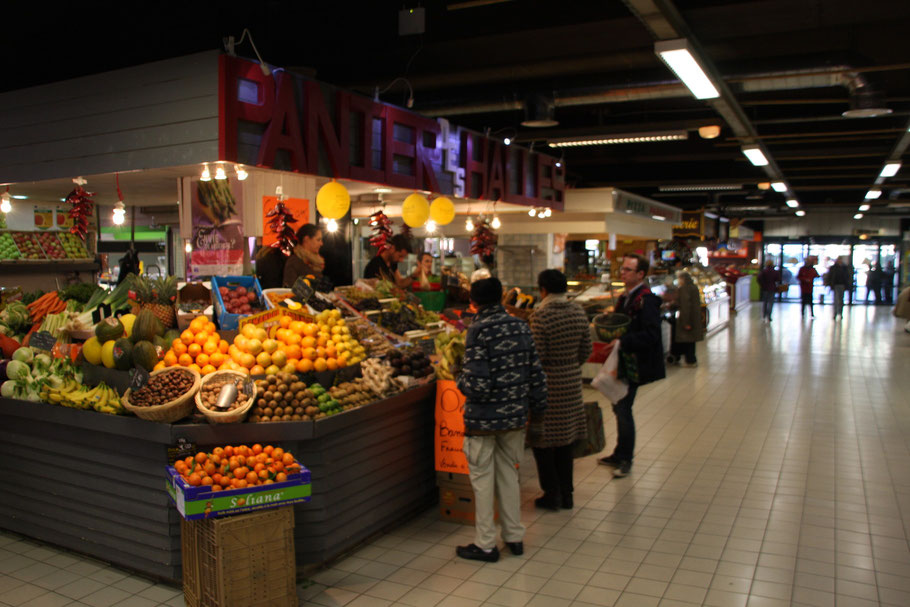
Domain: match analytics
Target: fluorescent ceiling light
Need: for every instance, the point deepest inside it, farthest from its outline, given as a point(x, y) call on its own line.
point(873, 194)
point(755, 155)
point(792, 203)
point(864, 207)
point(858, 216)
point(679, 58)
point(383, 190)
point(701, 187)
point(890, 169)
point(779, 186)
point(658, 218)
point(800, 213)
point(19, 197)
point(646, 137)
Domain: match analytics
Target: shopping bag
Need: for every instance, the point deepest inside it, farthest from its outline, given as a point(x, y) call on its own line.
point(595, 441)
point(606, 380)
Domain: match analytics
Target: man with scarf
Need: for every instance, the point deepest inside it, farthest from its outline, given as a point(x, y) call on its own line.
point(641, 355)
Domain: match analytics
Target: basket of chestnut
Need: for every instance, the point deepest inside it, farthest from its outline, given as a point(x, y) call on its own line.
point(167, 397)
point(234, 405)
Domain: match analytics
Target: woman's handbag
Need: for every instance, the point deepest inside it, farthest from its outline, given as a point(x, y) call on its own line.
point(595, 440)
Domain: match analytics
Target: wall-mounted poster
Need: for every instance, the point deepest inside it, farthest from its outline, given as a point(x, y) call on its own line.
point(217, 229)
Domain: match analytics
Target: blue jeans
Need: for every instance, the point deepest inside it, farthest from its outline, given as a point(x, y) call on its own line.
point(625, 425)
point(767, 300)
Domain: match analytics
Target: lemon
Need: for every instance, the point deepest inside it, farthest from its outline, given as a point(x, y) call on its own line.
point(91, 350)
point(107, 354)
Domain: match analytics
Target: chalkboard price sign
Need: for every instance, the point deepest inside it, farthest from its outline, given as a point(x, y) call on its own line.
point(42, 340)
point(139, 378)
point(302, 291)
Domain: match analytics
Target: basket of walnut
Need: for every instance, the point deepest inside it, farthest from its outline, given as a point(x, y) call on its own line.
point(210, 389)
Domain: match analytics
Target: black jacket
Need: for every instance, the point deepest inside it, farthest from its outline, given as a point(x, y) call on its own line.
point(643, 339)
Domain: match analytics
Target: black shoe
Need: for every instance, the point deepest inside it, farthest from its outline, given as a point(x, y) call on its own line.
point(610, 460)
point(622, 469)
point(567, 503)
point(472, 552)
point(547, 503)
point(516, 548)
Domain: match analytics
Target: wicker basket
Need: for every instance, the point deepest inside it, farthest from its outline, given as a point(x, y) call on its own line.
point(171, 411)
point(224, 417)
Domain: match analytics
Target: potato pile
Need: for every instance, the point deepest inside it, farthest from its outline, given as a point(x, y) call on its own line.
point(281, 398)
point(210, 390)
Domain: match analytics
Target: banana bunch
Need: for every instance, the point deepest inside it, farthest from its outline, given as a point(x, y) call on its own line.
point(450, 348)
point(102, 398)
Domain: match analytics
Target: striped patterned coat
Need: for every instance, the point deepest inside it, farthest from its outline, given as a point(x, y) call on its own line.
point(563, 341)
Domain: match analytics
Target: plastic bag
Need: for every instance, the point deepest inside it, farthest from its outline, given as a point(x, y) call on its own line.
point(606, 380)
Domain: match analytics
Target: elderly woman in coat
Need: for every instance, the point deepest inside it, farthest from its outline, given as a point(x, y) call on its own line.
point(690, 327)
point(563, 340)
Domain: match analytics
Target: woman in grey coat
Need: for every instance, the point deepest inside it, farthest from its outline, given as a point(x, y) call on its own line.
point(690, 327)
point(563, 341)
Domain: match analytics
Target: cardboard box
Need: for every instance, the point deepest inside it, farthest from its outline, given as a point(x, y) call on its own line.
point(193, 292)
point(244, 560)
point(456, 504)
point(451, 478)
point(201, 502)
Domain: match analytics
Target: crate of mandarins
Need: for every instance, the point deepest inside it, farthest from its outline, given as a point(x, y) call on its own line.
point(235, 480)
point(244, 560)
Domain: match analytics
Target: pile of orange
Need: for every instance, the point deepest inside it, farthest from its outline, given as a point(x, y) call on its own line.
point(238, 467)
point(294, 345)
point(200, 348)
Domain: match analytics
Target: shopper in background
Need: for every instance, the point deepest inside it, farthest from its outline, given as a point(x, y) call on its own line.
point(563, 340)
point(270, 262)
point(385, 264)
point(888, 283)
point(690, 326)
point(305, 259)
point(874, 283)
point(768, 279)
point(641, 355)
point(806, 277)
point(502, 382)
point(423, 271)
point(839, 281)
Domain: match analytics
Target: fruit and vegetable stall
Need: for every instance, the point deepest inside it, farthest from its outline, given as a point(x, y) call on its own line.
point(101, 392)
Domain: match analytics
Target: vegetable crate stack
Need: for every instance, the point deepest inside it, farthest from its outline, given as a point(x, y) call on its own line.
point(246, 558)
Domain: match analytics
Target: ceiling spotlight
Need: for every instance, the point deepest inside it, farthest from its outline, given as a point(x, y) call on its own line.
point(507, 141)
point(331, 226)
point(469, 225)
point(430, 227)
point(779, 186)
point(858, 216)
point(206, 174)
point(755, 155)
point(864, 207)
point(681, 59)
point(220, 174)
point(709, 132)
point(890, 169)
point(495, 224)
point(764, 185)
point(5, 205)
point(188, 247)
point(792, 203)
point(119, 213)
point(873, 194)
point(800, 213)
point(532, 212)
point(559, 164)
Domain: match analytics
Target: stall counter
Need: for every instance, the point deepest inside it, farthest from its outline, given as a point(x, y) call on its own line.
point(95, 484)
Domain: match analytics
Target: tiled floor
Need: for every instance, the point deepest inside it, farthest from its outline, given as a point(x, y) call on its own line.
point(775, 473)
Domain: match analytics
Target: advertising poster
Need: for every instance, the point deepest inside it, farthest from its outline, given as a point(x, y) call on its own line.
point(299, 208)
point(44, 218)
point(217, 229)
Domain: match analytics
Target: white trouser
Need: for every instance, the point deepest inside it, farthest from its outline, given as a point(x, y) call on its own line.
point(493, 461)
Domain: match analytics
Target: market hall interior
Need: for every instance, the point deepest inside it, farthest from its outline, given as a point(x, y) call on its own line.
point(774, 473)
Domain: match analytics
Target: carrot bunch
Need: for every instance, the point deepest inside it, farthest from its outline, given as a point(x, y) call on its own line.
point(49, 303)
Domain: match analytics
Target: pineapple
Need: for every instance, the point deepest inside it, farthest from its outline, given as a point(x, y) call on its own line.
point(157, 294)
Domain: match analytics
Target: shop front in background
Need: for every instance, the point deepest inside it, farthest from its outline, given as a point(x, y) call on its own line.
point(875, 266)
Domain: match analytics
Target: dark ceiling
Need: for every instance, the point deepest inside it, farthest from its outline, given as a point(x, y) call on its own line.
point(789, 68)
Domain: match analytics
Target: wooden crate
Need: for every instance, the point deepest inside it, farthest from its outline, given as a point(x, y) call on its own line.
point(240, 560)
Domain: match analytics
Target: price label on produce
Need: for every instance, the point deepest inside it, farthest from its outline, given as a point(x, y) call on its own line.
point(139, 378)
point(42, 340)
point(302, 291)
point(181, 450)
point(427, 345)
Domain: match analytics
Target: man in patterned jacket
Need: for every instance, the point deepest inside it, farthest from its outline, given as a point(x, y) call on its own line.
point(501, 380)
